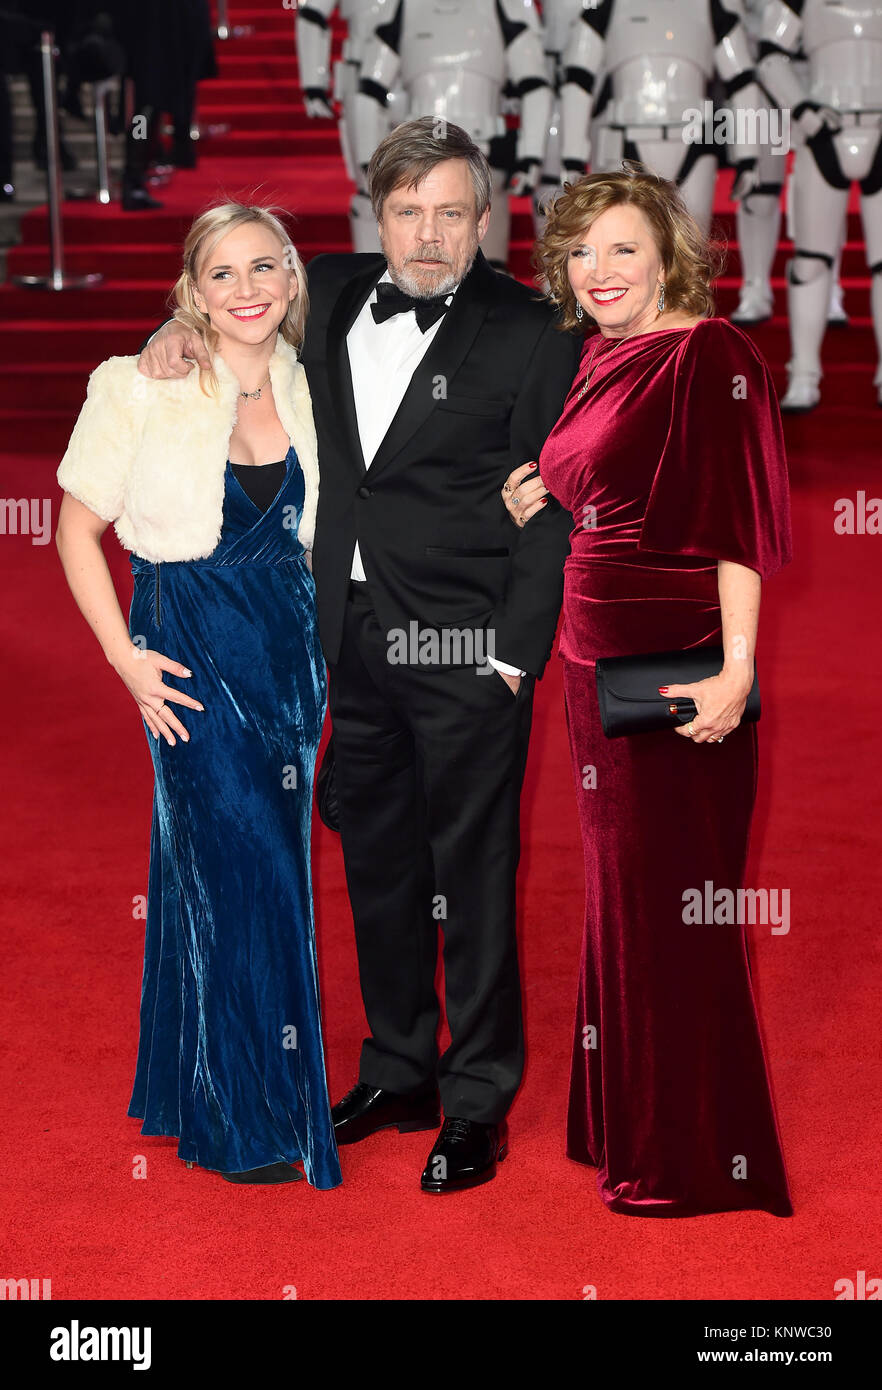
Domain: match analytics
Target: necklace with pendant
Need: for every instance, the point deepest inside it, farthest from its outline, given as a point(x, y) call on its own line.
point(591, 368)
point(254, 395)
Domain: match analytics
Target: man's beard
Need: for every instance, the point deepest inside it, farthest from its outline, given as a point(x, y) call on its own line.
point(422, 284)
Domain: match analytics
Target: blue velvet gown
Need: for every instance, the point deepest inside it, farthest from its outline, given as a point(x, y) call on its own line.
point(230, 1059)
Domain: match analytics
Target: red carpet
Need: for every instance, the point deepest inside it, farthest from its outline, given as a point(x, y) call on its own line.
point(78, 786)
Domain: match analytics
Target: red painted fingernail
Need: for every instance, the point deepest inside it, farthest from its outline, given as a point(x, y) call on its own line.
point(544, 500)
point(663, 689)
point(532, 465)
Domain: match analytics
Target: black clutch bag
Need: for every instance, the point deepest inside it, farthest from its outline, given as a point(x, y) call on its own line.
point(627, 690)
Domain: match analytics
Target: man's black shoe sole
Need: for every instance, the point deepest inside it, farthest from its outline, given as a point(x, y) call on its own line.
point(403, 1127)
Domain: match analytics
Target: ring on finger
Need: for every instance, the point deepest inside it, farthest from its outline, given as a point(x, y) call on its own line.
point(506, 488)
point(159, 708)
point(515, 501)
point(690, 728)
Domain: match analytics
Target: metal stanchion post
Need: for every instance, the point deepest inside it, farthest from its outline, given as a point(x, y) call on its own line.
point(100, 92)
point(57, 279)
point(223, 30)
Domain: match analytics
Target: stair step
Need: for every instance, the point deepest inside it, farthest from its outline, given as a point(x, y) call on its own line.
point(277, 38)
point(124, 263)
point(262, 14)
point(264, 144)
point(259, 116)
point(231, 92)
point(91, 223)
point(269, 67)
point(57, 387)
point(25, 344)
point(38, 431)
point(120, 298)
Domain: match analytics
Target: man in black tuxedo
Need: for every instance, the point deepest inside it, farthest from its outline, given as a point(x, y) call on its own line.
point(432, 377)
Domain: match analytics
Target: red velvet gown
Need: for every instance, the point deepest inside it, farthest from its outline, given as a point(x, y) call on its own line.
point(677, 445)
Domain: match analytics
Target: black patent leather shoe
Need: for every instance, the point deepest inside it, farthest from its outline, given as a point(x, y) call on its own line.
point(465, 1155)
point(137, 199)
point(366, 1109)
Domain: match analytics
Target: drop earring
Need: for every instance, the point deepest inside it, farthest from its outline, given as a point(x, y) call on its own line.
point(660, 305)
point(580, 312)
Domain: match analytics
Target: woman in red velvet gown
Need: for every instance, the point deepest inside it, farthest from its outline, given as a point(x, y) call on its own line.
point(669, 454)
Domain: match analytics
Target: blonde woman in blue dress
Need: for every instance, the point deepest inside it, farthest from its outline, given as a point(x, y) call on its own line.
point(211, 481)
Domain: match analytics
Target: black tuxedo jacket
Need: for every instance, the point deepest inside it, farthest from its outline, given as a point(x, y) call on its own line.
point(436, 541)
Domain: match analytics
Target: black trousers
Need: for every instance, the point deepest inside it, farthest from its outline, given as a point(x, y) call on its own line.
point(429, 763)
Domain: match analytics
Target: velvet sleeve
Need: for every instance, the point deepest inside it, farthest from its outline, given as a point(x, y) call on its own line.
point(721, 486)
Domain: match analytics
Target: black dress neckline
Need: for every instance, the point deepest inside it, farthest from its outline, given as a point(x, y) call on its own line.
point(274, 463)
point(261, 482)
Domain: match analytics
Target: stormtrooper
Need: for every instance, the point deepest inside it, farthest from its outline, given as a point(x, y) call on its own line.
point(839, 111)
point(453, 58)
point(659, 57)
point(319, 90)
point(758, 217)
point(558, 19)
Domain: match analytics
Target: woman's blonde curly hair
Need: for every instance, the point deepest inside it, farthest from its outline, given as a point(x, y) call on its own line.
point(691, 260)
point(209, 228)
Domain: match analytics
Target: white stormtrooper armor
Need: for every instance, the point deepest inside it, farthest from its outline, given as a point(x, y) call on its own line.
point(839, 110)
point(758, 217)
point(314, 61)
point(659, 56)
point(558, 20)
point(453, 58)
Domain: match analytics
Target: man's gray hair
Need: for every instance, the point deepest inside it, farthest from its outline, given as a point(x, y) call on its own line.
point(412, 150)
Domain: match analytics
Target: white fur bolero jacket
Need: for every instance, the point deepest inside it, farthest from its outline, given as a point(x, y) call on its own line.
point(150, 455)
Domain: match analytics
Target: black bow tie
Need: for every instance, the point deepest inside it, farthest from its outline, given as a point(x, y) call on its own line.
point(391, 301)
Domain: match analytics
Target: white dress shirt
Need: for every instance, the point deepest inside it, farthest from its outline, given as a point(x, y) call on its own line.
point(382, 359)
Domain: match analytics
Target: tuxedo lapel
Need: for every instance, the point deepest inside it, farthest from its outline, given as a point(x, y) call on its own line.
point(344, 313)
point(450, 346)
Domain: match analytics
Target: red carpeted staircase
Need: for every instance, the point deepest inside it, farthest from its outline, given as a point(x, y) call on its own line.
point(260, 144)
point(78, 788)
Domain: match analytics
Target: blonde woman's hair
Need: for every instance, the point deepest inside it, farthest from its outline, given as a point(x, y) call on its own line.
point(211, 227)
point(691, 260)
